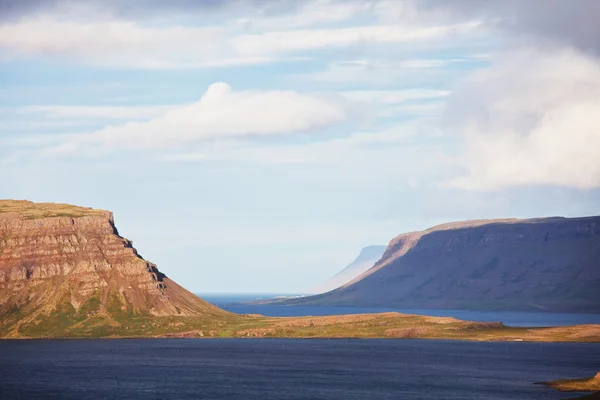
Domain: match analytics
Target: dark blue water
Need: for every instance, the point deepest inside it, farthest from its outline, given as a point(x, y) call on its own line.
point(511, 318)
point(257, 369)
point(235, 303)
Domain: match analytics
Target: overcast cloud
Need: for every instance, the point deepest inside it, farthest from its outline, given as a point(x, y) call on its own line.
point(575, 22)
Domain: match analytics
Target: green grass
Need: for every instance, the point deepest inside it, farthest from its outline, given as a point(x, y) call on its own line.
point(60, 320)
point(91, 306)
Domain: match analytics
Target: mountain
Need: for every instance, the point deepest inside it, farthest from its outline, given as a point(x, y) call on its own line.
point(63, 265)
point(547, 264)
point(66, 272)
point(367, 257)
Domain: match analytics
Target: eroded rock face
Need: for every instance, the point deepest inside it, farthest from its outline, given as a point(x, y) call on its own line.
point(86, 249)
point(79, 256)
point(550, 264)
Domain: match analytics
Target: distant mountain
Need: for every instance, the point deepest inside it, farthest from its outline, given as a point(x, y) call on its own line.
point(366, 259)
point(548, 264)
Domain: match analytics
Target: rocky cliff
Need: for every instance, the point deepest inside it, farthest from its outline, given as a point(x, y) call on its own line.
point(367, 257)
point(66, 272)
point(69, 265)
point(550, 264)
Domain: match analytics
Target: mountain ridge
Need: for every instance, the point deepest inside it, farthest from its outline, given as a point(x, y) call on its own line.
point(65, 272)
point(510, 258)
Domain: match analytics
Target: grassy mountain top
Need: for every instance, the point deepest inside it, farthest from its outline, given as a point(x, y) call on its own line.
point(31, 210)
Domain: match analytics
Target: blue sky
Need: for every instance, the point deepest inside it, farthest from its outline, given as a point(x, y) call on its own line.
point(255, 146)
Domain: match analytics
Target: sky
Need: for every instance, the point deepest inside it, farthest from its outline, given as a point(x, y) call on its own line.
point(255, 146)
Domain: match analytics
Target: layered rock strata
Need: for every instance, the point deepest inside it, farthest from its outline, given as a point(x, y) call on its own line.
point(54, 256)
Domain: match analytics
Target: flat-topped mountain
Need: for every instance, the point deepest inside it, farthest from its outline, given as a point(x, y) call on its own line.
point(72, 259)
point(367, 257)
point(66, 272)
point(548, 264)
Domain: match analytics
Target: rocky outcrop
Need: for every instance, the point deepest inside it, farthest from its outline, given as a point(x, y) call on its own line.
point(367, 257)
point(549, 264)
point(65, 257)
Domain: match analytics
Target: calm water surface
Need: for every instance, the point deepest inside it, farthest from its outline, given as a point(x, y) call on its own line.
point(235, 303)
point(511, 318)
point(288, 369)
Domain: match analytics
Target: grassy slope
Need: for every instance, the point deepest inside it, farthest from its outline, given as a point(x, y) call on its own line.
point(30, 210)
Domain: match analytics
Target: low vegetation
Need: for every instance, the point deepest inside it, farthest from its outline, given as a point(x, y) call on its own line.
point(576, 385)
point(117, 320)
point(29, 210)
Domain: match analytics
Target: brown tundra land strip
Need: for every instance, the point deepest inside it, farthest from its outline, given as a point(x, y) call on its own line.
point(577, 385)
point(66, 272)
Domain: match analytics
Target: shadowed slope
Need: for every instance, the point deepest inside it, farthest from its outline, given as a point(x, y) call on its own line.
point(548, 264)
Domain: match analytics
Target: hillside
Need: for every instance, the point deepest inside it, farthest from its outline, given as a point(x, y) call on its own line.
point(367, 257)
point(550, 264)
point(62, 265)
point(66, 272)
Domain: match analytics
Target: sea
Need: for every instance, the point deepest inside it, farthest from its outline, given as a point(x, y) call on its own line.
point(244, 304)
point(259, 369)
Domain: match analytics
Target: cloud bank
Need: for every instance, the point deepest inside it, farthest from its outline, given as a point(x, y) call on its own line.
point(529, 118)
point(107, 34)
point(533, 118)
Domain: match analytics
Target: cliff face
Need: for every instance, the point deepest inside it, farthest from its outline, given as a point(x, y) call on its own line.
point(365, 260)
point(71, 260)
point(550, 264)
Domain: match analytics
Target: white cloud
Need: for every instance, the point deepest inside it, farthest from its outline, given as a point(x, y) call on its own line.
point(357, 146)
point(122, 43)
point(394, 96)
point(532, 118)
point(309, 39)
point(382, 71)
point(221, 113)
point(76, 112)
point(28, 125)
point(316, 12)
point(412, 103)
point(45, 125)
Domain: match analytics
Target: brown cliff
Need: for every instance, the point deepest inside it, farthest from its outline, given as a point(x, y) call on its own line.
point(548, 264)
point(72, 259)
